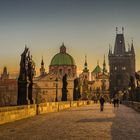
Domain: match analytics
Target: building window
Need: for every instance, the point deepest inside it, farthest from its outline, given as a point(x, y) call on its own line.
point(123, 68)
point(115, 68)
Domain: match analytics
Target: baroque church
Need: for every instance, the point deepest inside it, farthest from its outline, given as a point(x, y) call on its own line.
point(46, 84)
point(121, 64)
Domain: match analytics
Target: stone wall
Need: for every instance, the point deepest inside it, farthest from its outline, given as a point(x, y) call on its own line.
point(10, 114)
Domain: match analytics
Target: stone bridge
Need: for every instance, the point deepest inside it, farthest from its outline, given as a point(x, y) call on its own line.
point(77, 123)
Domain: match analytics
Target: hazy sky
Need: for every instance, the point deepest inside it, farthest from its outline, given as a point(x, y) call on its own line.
point(85, 26)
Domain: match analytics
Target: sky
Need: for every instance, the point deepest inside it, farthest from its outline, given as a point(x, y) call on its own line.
point(86, 27)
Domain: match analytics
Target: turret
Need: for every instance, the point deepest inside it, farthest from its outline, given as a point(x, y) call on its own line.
point(85, 65)
point(42, 69)
point(5, 74)
point(104, 66)
point(132, 48)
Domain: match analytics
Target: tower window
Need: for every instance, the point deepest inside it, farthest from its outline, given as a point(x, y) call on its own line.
point(123, 68)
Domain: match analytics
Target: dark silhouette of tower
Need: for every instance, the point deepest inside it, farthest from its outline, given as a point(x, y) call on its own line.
point(121, 64)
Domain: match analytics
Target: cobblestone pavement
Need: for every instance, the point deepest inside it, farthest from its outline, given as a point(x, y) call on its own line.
point(82, 123)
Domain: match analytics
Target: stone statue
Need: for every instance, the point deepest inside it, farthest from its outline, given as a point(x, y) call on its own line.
point(23, 65)
point(76, 91)
point(25, 80)
point(64, 88)
point(31, 68)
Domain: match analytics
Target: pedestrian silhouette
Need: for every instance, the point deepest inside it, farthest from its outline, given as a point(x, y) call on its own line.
point(102, 101)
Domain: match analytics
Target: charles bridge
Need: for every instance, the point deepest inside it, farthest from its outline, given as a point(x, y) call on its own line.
point(74, 120)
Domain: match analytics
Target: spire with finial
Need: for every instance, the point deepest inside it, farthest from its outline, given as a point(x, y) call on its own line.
point(97, 62)
point(42, 62)
point(62, 48)
point(110, 51)
point(104, 65)
point(85, 61)
point(42, 69)
point(122, 30)
point(132, 47)
point(116, 30)
point(85, 65)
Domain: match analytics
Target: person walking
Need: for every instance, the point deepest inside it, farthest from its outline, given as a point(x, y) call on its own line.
point(114, 102)
point(102, 101)
point(117, 102)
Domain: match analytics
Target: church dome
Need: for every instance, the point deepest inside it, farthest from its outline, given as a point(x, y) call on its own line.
point(62, 58)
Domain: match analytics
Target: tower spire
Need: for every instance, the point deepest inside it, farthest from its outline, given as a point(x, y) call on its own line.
point(85, 65)
point(132, 47)
point(122, 30)
point(42, 62)
point(104, 65)
point(116, 30)
point(42, 69)
point(97, 62)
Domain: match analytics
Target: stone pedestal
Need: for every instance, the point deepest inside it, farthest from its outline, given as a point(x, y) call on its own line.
point(23, 93)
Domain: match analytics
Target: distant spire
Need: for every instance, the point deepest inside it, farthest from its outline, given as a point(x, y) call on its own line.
point(132, 47)
point(62, 48)
point(42, 62)
point(110, 51)
point(129, 47)
point(25, 46)
point(122, 30)
point(116, 30)
point(63, 44)
point(97, 62)
point(104, 65)
point(85, 65)
point(42, 69)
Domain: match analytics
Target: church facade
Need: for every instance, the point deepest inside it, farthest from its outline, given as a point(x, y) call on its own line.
point(96, 85)
point(121, 64)
point(47, 85)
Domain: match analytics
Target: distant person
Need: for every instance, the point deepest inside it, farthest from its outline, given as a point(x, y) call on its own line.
point(117, 102)
point(102, 101)
point(114, 102)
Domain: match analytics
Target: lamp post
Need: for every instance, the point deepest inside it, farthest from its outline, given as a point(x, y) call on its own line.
point(56, 81)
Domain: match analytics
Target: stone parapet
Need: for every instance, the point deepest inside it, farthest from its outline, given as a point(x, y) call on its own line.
point(10, 114)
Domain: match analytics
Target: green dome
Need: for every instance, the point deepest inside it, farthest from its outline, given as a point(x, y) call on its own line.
point(62, 58)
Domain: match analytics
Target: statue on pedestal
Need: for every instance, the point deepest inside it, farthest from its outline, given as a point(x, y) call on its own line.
point(25, 80)
point(64, 88)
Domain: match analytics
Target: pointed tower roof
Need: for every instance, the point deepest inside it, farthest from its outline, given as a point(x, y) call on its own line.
point(119, 43)
point(42, 62)
point(132, 48)
point(104, 66)
point(85, 65)
point(97, 69)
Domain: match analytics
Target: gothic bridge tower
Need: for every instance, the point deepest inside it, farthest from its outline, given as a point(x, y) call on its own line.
point(121, 64)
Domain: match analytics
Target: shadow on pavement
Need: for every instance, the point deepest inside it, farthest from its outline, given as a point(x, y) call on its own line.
point(97, 120)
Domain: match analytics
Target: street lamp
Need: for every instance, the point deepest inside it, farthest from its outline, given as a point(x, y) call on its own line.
point(56, 81)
